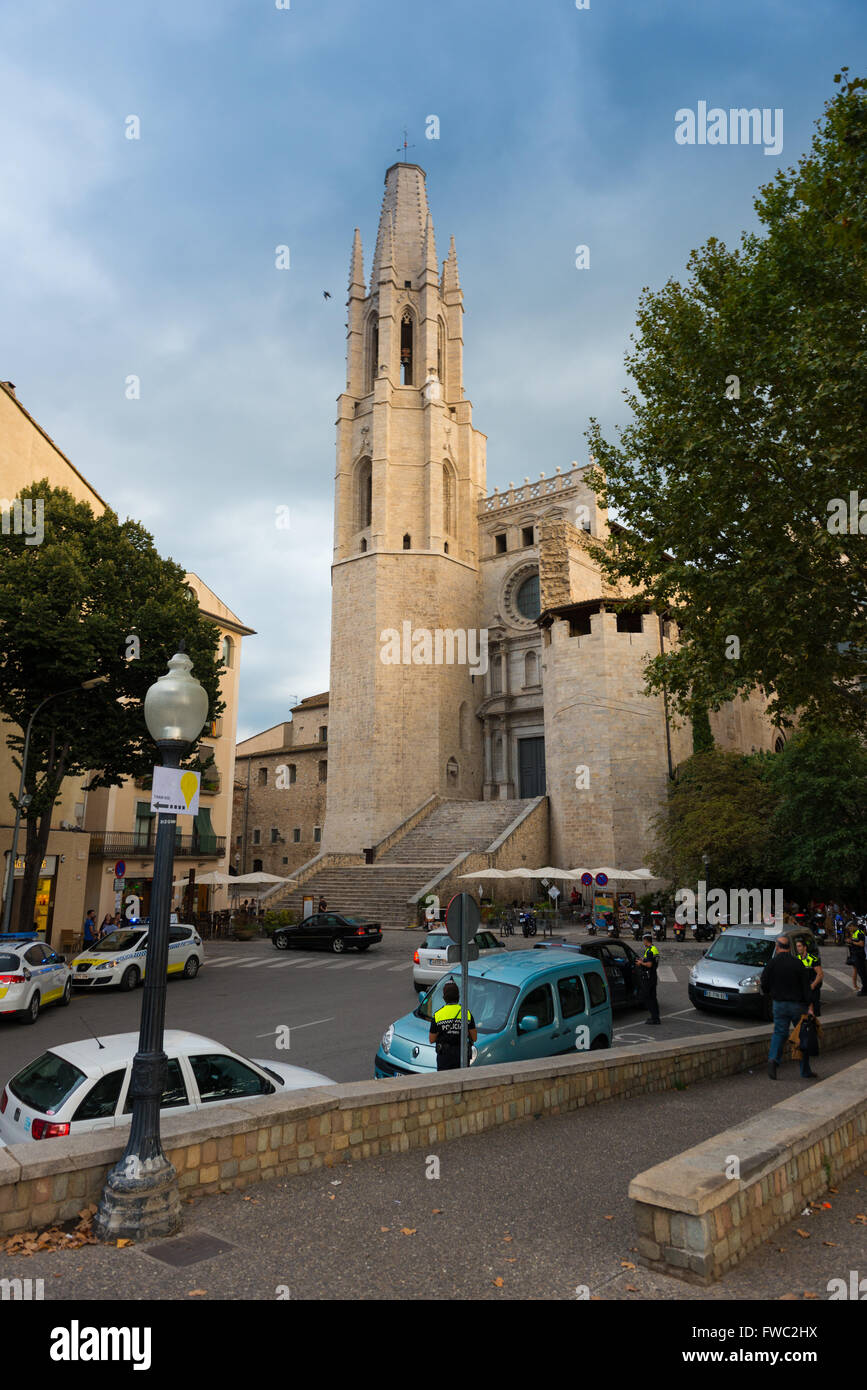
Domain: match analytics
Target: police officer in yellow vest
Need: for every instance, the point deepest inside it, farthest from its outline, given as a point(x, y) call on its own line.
point(858, 954)
point(649, 966)
point(812, 962)
point(445, 1029)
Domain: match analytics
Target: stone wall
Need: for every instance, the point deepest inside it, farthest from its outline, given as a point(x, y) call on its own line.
point(233, 1146)
point(695, 1221)
point(298, 806)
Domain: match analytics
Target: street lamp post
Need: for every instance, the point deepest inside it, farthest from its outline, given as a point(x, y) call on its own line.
point(141, 1197)
point(24, 800)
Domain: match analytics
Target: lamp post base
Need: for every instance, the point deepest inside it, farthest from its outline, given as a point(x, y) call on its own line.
point(140, 1200)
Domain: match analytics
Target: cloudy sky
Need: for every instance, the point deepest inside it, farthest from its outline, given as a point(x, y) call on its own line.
point(262, 126)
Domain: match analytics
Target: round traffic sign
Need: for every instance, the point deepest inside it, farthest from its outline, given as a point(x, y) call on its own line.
point(462, 911)
point(587, 879)
point(602, 879)
point(119, 869)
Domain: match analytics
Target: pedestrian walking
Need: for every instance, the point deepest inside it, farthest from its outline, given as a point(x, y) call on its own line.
point(858, 956)
point(107, 925)
point(812, 963)
point(322, 905)
point(445, 1029)
point(788, 983)
point(649, 964)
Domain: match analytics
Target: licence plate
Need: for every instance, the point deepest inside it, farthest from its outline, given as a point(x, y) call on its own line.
point(438, 960)
point(715, 994)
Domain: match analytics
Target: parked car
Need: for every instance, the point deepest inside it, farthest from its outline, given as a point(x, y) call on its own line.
point(525, 1003)
point(617, 959)
point(31, 976)
point(120, 958)
point(327, 931)
point(76, 1087)
point(430, 959)
point(728, 976)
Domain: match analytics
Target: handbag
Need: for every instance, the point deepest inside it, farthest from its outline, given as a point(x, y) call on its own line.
point(808, 1038)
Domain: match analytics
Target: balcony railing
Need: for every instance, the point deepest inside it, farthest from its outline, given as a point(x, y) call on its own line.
point(118, 844)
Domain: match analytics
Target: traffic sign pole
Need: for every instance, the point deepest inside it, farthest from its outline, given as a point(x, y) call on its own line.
point(462, 923)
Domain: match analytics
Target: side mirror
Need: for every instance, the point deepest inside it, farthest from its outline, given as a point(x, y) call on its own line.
point(528, 1024)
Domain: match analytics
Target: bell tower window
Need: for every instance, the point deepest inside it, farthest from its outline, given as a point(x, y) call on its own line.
point(407, 543)
point(406, 350)
point(372, 352)
point(364, 495)
point(440, 349)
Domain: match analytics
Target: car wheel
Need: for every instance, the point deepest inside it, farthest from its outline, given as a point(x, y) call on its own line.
point(599, 1043)
point(365, 945)
point(66, 997)
point(130, 978)
point(191, 969)
point(31, 1013)
point(338, 945)
point(281, 941)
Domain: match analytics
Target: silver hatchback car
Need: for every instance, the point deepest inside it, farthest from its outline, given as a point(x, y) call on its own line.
point(729, 974)
point(431, 961)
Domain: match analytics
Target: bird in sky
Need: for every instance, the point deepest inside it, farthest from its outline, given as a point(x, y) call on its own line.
point(325, 294)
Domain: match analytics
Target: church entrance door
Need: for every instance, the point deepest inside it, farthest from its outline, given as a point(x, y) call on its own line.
point(531, 766)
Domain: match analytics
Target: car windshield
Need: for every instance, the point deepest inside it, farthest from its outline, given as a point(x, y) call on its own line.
point(741, 950)
point(46, 1084)
point(118, 941)
point(490, 1002)
point(437, 941)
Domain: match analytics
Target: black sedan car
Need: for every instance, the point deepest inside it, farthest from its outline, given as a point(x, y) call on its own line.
point(329, 931)
point(618, 961)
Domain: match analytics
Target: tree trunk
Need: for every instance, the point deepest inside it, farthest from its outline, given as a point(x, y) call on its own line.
point(38, 830)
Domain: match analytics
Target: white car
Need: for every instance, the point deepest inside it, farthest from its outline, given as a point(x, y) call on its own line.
point(430, 961)
point(77, 1087)
point(31, 975)
point(119, 959)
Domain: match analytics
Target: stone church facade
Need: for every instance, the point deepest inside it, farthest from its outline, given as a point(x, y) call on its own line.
point(425, 558)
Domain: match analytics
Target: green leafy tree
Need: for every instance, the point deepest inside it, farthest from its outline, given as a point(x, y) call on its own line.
point(749, 428)
point(720, 806)
point(819, 824)
point(68, 608)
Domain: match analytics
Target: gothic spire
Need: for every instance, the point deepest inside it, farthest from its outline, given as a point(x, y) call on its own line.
point(356, 265)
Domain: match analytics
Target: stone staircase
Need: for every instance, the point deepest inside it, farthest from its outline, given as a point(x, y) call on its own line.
point(380, 891)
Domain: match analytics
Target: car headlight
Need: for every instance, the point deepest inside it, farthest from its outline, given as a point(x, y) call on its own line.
point(693, 975)
point(751, 984)
point(107, 965)
point(473, 1054)
point(387, 1037)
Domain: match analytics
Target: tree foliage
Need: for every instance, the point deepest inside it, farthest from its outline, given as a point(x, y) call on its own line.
point(67, 609)
point(749, 419)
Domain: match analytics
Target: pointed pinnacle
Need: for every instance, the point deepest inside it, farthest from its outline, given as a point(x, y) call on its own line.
point(387, 258)
point(430, 247)
point(451, 280)
point(356, 264)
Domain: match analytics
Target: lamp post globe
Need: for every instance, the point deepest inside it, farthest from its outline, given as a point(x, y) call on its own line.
point(141, 1197)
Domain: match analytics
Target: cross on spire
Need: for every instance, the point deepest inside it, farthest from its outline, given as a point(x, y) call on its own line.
point(404, 146)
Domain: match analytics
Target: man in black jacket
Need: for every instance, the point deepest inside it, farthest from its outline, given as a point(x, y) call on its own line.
point(788, 984)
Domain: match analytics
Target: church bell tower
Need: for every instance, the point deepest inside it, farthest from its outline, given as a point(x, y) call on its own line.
point(405, 578)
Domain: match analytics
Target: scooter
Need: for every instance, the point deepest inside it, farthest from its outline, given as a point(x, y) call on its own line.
point(636, 922)
point(591, 926)
point(839, 931)
point(819, 929)
point(679, 930)
point(611, 924)
point(658, 923)
point(703, 931)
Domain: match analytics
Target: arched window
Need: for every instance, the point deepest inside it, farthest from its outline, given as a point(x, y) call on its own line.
point(363, 545)
point(779, 745)
point(448, 500)
point(496, 675)
point(363, 494)
point(227, 652)
point(406, 349)
point(407, 542)
point(464, 725)
point(257, 866)
point(372, 352)
point(441, 350)
point(531, 669)
point(527, 598)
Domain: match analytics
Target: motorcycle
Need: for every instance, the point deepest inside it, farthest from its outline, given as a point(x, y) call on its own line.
point(591, 927)
point(839, 931)
point(819, 929)
point(636, 923)
point(703, 931)
point(528, 923)
point(679, 931)
point(611, 924)
point(658, 923)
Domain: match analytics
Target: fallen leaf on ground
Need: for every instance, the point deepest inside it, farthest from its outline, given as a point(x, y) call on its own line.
point(385, 1228)
point(197, 1293)
point(785, 1296)
point(332, 1197)
point(122, 1242)
point(498, 1281)
point(506, 1239)
point(437, 1211)
point(630, 1288)
point(829, 1242)
point(408, 1230)
point(810, 1295)
point(626, 1264)
point(805, 1235)
point(609, 1218)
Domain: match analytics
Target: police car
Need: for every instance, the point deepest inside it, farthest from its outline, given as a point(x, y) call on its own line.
point(119, 959)
point(31, 975)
